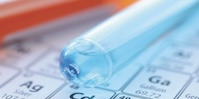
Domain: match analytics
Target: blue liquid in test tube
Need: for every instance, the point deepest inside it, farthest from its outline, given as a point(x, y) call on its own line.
point(95, 56)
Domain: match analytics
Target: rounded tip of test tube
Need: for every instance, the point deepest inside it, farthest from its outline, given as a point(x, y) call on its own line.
point(85, 63)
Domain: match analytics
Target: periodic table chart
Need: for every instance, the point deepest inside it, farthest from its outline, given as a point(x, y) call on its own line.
point(168, 69)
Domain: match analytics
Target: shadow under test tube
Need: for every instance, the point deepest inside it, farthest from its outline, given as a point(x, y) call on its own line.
point(94, 57)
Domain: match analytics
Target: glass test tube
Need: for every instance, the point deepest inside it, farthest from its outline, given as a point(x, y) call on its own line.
point(95, 56)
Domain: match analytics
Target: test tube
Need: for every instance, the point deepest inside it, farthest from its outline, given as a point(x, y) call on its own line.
point(95, 56)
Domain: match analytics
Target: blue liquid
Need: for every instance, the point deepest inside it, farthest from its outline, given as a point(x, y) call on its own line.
point(94, 57)
point(78, 63)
